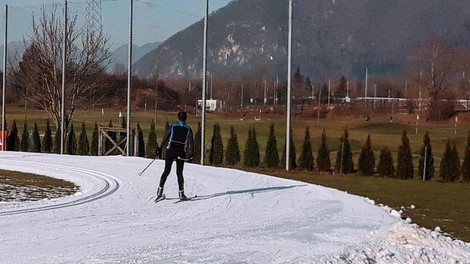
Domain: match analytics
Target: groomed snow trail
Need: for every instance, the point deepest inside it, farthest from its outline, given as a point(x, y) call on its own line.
point(238, 217)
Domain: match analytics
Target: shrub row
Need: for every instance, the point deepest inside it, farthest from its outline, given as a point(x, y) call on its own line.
point(450, 167)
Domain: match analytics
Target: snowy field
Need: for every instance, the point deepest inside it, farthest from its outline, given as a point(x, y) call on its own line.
point(238, 217)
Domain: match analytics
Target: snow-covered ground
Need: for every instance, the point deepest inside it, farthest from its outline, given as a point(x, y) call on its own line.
point(238, 217)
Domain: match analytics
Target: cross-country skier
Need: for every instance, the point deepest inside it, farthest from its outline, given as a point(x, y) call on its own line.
point(180, 147)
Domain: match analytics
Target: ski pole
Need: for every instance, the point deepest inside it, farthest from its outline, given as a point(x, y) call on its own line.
point(140, 173)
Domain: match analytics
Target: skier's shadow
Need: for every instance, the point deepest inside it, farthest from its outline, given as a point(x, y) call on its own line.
point(250, 191)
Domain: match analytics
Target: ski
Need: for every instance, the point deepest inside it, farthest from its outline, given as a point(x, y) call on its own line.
point(187, 199)
point(158, 199)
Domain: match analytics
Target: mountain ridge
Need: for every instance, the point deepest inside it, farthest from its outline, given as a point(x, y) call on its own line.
point(249, 37)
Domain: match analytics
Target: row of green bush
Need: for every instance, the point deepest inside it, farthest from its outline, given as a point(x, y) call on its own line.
point(450, 168)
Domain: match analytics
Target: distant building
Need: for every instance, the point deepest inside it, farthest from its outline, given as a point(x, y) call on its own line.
point(211, 104)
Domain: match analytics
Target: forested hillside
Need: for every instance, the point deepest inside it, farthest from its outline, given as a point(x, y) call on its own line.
point(249, 37)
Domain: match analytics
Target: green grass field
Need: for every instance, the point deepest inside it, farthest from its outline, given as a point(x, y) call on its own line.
point(437, 204)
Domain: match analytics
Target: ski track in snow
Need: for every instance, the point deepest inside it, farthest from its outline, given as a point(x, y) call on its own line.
point(237, 217)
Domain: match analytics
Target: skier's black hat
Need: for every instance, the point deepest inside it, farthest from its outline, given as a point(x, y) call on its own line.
point(182, 116)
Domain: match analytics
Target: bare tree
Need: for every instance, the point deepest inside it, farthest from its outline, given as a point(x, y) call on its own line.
point(437, 64)
point(39, 72)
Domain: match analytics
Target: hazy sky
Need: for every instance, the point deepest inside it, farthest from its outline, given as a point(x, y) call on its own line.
point(154, 20)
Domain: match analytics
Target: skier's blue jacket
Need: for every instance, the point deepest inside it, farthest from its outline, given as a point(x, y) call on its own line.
point(179, 135)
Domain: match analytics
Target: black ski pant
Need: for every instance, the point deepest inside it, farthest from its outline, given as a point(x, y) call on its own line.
point(172, 154)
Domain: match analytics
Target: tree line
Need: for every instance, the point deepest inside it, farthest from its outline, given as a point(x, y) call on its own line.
point(450, 167)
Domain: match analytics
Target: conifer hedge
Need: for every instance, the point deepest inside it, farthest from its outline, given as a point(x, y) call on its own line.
point(56, 146)
point(344, 159)
point(466, 161)
point(83, 147)
point(271, 157)
point(197, 144)
point(306, 155)
point(36, 139)
point(455, 163)
point(216, 155)
point(450, 167)
point(385, 167)
point(13, 138)
point(152, 145)
point(24, 145)
point(366, 162)
point(71, 147)
point(251, 153)
point(292, 154)
point(426, 160)
point(323, 157)
point(404, 159)
point(47, 140)
point(140, 134)
point(450, 163)
point(232, 153)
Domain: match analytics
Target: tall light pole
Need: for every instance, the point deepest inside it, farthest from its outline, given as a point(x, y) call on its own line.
point(365, 90)
point(204, 77)
point(62, 105)
point(241, 98)
point(375, 93)
point(329, 92)
point(129, 78)
point(5, 50)
point(265, 90)
point(289, 72)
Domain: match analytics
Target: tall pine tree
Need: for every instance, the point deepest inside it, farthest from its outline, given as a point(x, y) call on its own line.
point(71, 142)
point(94, 141)
point(36, 140)
point(323, 157)
point(140, 134)
point(306, 155)
point(251, 153)
point(404, 159)
point(366, 162)
point(466, 161)
point(292, 154)
point(232, 153)
point(455, 162)
point(426, 160)
point(152, 144)
point(83, 147)
point(450, 163)
point(344, 158)
point(247, 157)
point(255, 148)
point(56, 147)
point(13, 138)
point(216, 156)
point(24, 145)
point(385, 167)
point(47, 140)
point(271, 157)
point(197, 144)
